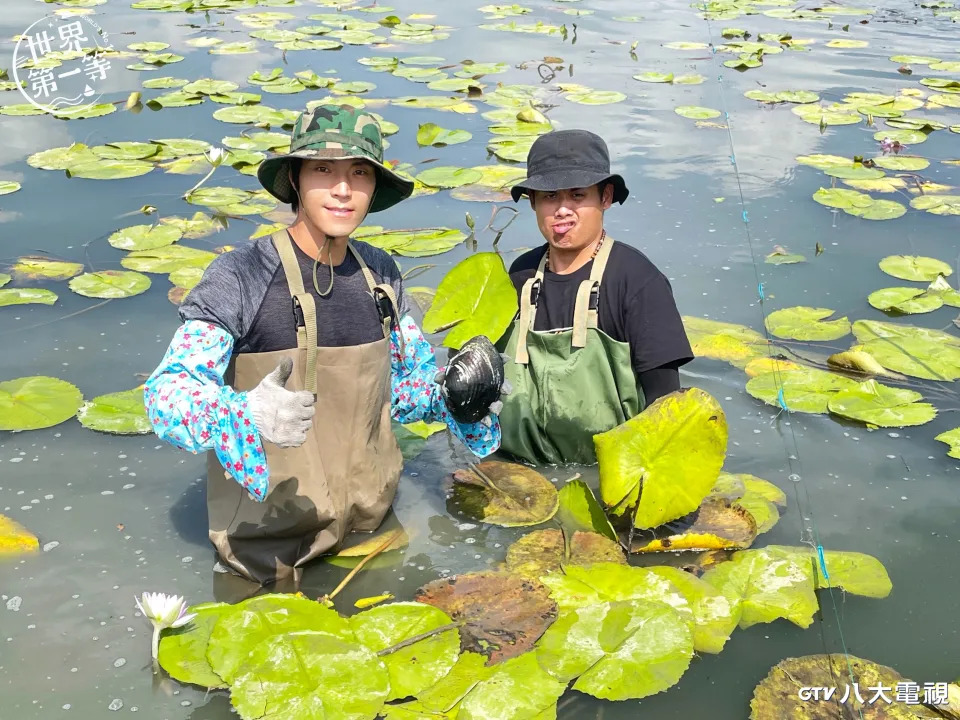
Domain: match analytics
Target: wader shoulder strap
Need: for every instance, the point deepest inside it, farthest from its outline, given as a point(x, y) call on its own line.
point(528, 311)
point(304, 307)
point(378, 291)
point(585, 314)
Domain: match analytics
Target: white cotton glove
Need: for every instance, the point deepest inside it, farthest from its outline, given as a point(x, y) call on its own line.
point(282, 416)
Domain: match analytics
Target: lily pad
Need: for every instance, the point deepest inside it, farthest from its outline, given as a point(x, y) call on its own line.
point(37, 401)
point(735, 344)
point(715, 525)
point(695, 112)
point(654, 77)
point(198, 226)
point(542, 551)
point(167, 259)
point(906, 137)
point(878, 210)
point(619, 650)
point(595, 97)
point(579, 510)
point(119, 413)
point(8, 186)
point(714, 616)
point(937, 204)
point(905, 300)
point(516, 690)
point(36, 267)
point(126, 150)
point(882, 406)
point(807, 390)
point(60, 158)
point(210, 86)
point(476, 297)
point(951, 438)
point(448, 176)
point(175, 99)
point(674, 450)
point(904, 163)
point(806, 323)
point(27, 296)
point(164, 83)
point(506, 494)
point(914, 351)
point(144, 237)
point(109, 169)
point(110, 284)
point(443, 698)
point(183, 650)
point(419, 666)
point(431, 134)
point(503, 615)
point(4, 279)
point(417, 243)
point(182, 147)
point(16, 539)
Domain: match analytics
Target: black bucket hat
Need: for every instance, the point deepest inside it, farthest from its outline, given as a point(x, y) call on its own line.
point(565, 159)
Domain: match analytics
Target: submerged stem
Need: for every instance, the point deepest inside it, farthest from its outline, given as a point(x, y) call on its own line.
point(379, 549)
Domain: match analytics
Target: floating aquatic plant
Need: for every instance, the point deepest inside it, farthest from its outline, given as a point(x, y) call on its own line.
point(163, 611)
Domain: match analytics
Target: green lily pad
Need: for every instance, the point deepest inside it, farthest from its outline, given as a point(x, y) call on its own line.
point(119, 413)
point(950, 101)
point(763, 512)
point(109, 169)
point(736, 344)
point(110, 284)
point(83, 112)
point(60, 158)
point(36, 267)
point(255, 114)
point(804, 390)
point(579, 510)
point(878, 210)
point(674, 449)
point(918, 352)
point(164, 83)
point(190, 165)
point(882, 406)
point(418, 666)
point(183, 650)
point(4, 279)
point(937, 204)
point(144, 237)
point(462, 85)
point(237, 98)
point(885, 184)
point(914, 59)
point(175, 99)
point(595, 97)
point(902, 162)
point(654, 77)
point(853, 171)
point(843, 199)
point(210, 86)
point(27, 296)
point(513, 148)
point(806, 323)
point(515, 690)
point(182, 147)
point(782, 257)
point(504, 615)
point(446, 694)
point(234, 48)
point(817, 114)
point(448, 176)
point(619, 650)
point(905, 300)
point(476, 297)
point(21, 110)
point(309, 674)
point(431, 134)
point(126, 150)
point(714, 615)
point(545, 551)
point(200, 225)
point(167, 259)
point(258, 141)
point(695, 112)
point(907, 137)
point(8, 186)
point(417, 243)
point(506, 494)
point(35, 402)
point(951, 438)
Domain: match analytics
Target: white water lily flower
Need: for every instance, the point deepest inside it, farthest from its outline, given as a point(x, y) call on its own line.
point(215, 156)
point(164, 611)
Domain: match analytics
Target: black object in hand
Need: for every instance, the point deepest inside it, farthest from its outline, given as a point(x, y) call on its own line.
point(473, 380)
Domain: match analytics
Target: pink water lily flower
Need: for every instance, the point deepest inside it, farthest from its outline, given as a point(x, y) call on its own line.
point(894, 146)
point(164, 611)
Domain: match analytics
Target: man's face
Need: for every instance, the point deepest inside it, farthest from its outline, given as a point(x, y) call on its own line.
point(571, 219)
point(335, 194)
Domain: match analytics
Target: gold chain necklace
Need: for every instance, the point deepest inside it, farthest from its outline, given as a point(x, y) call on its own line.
point(603, 234)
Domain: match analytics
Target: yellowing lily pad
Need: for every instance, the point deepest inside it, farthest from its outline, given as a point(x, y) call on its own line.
point(715, 525)
point(35, 402)
point(167, 259)
point(542, 551)
point(506, 494)
point(16, 539)
point(918, 352)
point(735, 344)
point(27, 296)
point(806, 323)
point(37, 267)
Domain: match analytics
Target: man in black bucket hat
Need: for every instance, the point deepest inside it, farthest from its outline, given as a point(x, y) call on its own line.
point(598, 336)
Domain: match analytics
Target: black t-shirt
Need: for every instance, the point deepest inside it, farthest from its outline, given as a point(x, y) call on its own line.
point(636, 305)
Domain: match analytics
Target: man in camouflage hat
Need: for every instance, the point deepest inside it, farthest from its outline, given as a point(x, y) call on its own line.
point(288, 376)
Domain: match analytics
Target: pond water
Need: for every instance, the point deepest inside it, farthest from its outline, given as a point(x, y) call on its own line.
point(120, 515)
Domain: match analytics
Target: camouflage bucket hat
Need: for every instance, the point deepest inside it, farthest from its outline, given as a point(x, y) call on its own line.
point(336, 132)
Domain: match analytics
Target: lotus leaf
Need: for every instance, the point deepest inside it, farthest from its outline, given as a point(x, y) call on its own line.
point(736, 344)
point(806, 323)
point(200, 225)
point(905, 300)
point(60, 158)
point(419, 666)
point(937, 205)
point(838, 114)
point(776, 697)
point(618, 650)
point(164, 83)
point(807, 390)
point(903, 162)
point(579, 510)
point(181, 147)
point(234, 48)
point(36, 402)
point(144, 237)
point(36, 267)
point(443, 698)
point(843, 199)
point(431, 134)
point(109, 169)
point(183, 650)
point(126, 150)
point(475, 297)
point(175, 99)
point(81, 112)
point(714, 616)
point(119, 413)
point(884, 184)
point(167, 259)
point(951, 438)
point(16, 539)
point(714, 525)
point(448, 177)
point(882, 406)
point(110, 284)
point(308, 674)
point(654, 77)
point(823, 162)
point(248, 625)
point(506, 494)
point(878, 210)
point(542, 551)
point(907, 137)
point(697, 113)
point(767, 584)
point(27, 296)
point(675, 467)
point(516, 690)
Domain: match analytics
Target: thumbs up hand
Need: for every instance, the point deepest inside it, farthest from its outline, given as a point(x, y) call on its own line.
point(282, 416)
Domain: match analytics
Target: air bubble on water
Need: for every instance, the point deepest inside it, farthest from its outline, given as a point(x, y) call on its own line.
point(51, 545)
point(496, 545)
point(466, 526)
point(119, 662)
point(66, 706)
point(186, 703)
point(470, 541)
point(14, 603)
point(794, 477)
point(115, 704)
point(128, 486)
